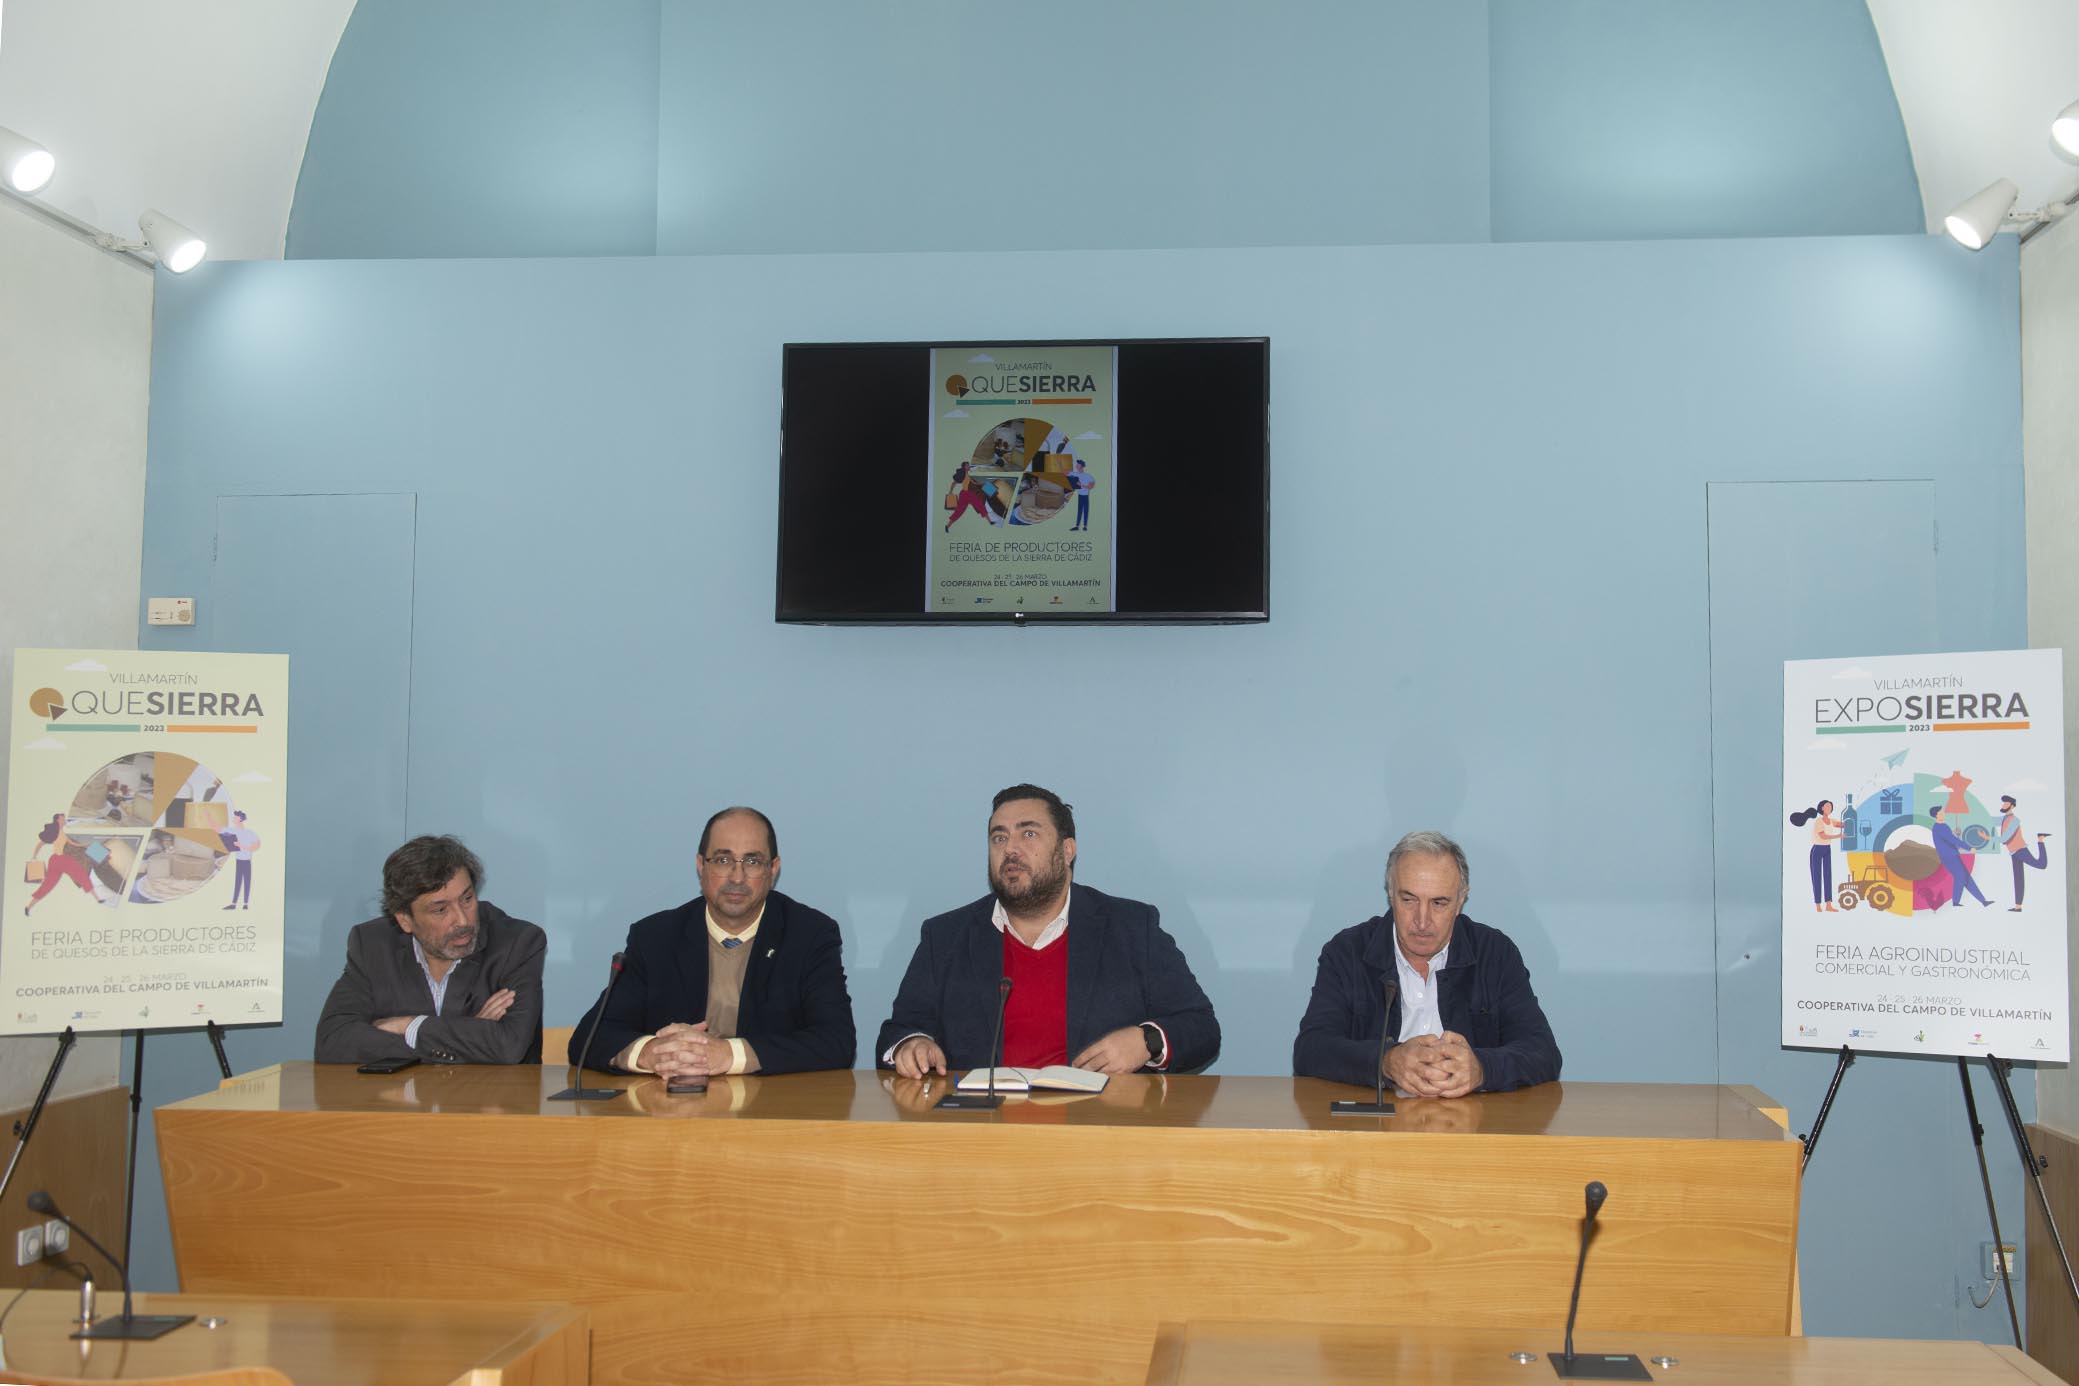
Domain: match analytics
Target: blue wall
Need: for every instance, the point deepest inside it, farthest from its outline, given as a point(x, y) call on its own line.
point(1490, 576)
point(1638, 118)
point(484, 127)
point(537, 127)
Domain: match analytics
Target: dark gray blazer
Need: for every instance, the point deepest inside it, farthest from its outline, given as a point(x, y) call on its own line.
point(1123, 968)
point(383, 978)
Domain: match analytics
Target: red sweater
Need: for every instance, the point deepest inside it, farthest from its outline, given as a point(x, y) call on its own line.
point(1035, 1019)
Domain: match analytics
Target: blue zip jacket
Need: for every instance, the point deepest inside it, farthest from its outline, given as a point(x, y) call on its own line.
point(1483, 993)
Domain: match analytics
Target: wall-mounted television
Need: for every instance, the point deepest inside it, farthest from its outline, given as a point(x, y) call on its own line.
point(1022, 481)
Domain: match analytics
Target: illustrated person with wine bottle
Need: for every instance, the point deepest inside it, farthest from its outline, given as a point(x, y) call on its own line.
point(1464, 1018)
point(1095, 981)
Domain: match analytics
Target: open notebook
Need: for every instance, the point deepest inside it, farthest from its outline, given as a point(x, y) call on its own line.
point(1056, 1078)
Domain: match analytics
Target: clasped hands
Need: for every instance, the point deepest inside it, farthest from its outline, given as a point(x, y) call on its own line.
point(686, 1051)
point(1434, 1066)
point(1124, 1050)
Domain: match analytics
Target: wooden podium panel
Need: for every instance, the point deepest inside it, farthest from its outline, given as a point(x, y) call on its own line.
point(1246, 1354)
point(346, 1342)
point(831, 1225)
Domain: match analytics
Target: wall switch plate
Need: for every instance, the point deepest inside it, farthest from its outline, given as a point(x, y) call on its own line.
point(57, 1238)
point(28, 1245)
point(169, 611)
point(1992, 1261)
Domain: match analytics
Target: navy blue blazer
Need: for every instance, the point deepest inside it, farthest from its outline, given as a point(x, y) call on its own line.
point(795, 1011)
point(1122, 969)
point(1483, 993)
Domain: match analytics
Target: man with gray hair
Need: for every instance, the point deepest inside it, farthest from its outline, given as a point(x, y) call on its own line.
point(1452, 994)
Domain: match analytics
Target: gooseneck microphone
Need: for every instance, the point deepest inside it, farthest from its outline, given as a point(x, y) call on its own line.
point(1378, 1106)
point(129, 1324)
point(1598, 1366)
point(969, 1101)
point(577, 1091)
point(1596, 1194)
point(216, 1042)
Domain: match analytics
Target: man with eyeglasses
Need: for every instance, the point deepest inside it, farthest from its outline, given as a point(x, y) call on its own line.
point(1095, 981)
point(742, 979)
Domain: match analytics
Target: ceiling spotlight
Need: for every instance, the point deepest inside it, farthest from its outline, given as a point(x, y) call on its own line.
point(2065, 129)
point(1973, 224)
point(180, 249)
point(25, 166)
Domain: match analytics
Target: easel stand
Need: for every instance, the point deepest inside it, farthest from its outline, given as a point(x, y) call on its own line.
point(2033, 1163)
point(26, 1127)
point(128, 1324)
point(2030, 1161)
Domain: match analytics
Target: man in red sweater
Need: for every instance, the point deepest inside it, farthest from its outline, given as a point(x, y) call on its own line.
point(1095, 981)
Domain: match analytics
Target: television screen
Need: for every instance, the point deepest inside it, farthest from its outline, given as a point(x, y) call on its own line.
point(1012, 481)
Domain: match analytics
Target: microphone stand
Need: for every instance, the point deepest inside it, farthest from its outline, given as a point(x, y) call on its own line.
point(130, 1325)
point(577, 1091)
point(970, 1101)
point(1594, 1366)
point(216, 1042)
point(1378, 1106)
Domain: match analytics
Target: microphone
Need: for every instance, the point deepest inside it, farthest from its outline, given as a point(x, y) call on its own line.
point(959, 1101)
point(1378, 1106)
point(577, 1091)
point(1597, 1366)
point(216, 1042)
point(130, 1325)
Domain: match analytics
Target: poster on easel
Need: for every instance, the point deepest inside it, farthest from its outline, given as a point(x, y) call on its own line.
point(146, 841)
point(1923, 890)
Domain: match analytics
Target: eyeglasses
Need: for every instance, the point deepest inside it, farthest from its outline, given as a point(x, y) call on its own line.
point(753, 863)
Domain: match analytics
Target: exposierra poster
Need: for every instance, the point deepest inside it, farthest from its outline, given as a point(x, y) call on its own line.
point(1923, 854)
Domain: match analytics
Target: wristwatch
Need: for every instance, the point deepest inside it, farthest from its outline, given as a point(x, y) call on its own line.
point(1153, 1035)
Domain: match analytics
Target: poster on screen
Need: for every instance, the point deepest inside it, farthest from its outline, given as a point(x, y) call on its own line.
point(1923, 829)
point(146, 841)
point(1021, 490)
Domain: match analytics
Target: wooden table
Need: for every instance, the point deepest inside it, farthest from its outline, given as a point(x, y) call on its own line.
point(315, 1342)
point(1248, 1354)
point(831, 1224)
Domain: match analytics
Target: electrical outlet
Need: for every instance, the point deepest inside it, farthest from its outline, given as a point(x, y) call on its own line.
point(57, 1238)
point(1992, 1261)
point(28, 1245)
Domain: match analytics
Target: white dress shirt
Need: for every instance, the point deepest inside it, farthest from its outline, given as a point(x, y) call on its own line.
point(1418, 994)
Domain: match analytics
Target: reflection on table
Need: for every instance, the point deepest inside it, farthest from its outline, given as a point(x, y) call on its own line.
point(1246, 1354)
point(1162, 1199)
point(315, 1342)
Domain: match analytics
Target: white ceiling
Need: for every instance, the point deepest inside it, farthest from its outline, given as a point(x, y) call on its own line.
point(1978, 84)
point(202, 108)
point(199, 108)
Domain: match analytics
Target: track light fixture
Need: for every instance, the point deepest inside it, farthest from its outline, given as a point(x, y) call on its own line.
point(25, 166)
point(1978, 218)
point(1990, 210)
point(2064, 131)
point(178, 248)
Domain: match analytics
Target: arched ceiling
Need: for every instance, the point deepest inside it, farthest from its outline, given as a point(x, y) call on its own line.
point(204, 108)
point(1978, 85)
point(198, 108)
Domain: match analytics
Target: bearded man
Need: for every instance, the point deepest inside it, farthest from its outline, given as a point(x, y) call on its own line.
point(1094, 980)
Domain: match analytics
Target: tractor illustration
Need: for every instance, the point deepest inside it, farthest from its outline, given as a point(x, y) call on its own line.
point(1873, 885)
